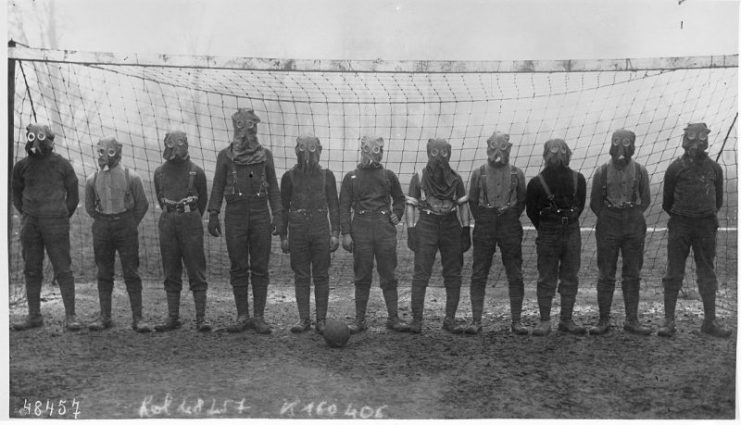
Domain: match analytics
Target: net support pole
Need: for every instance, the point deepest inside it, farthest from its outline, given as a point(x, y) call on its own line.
point(11, 132)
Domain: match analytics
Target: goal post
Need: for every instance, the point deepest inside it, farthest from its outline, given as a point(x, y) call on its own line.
point(138, 98)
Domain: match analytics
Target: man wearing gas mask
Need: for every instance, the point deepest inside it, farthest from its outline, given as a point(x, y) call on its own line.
point(497, 198)
point(437, 218)
point(245, 178)
point(621, 193)
point(554, 201)
point(114, 197)
point(371, 205)
point(44, 188)
point(180, 186)
point(309, 195)
point(693, 194)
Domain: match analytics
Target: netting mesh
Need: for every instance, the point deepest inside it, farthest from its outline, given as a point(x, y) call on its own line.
point(139, 104)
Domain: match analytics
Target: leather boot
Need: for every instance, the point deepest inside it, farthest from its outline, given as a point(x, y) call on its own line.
point(418, 306)
point(362, 293)
point(632, 324)
point(452, 297)
point(668, 328)
point(604, 301)
point(173, 313)
point(391, 296)
point(138, 323)
point(710, 326)
point(321, 298)
point(199, 298)
point(477, 309)
point(303, 296)
point(566, 324)
point(241, 300)
point(104, 318)
point(67, 289)
point(260, 298)
point(543, 328)
point(602, 327)
point(515, 308)
point(34, 318)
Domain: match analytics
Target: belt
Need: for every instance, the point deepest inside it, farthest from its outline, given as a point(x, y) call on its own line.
point(180, 208)
point(373, 212)
point(431, 212)
point(113, 217)
point(497, 210)
point(623, 206)
point(558, 220)
point(308, 212)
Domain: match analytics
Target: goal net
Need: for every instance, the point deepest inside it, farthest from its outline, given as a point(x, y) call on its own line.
point(137, 99)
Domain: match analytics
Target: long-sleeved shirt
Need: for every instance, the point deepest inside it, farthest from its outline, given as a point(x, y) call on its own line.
point(561, 183)
point(627, 185)
point(499, 191)
point(171, 182)
point(236, 182)
point(693, 188)
point(369, 189)
point(45, 187)
point(111, 192)
point(302, 191)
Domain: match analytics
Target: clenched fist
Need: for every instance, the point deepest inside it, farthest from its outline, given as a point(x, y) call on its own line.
point(214, 227)
point(284, 246)
point(347, 242)
point(334, 243)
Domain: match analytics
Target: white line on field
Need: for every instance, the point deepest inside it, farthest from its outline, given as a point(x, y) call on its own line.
point(649, 229)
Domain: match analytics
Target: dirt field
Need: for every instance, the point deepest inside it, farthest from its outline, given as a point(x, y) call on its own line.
point(380, 374)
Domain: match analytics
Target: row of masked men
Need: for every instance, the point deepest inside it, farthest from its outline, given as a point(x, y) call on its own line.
point(312, 221)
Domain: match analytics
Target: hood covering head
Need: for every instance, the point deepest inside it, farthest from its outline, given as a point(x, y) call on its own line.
point(695, 140)
point(109, 152)
point(439, 179)
point(308, 152)
point(39, 140)
point(245, 149)
point(622, 147)
point(371, 152)
point(556, 153)
point(498, 148)
point(176, 146)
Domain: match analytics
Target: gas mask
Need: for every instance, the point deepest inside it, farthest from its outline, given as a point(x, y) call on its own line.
point(556, 153)
point(498, 148)
point(308, 151)
point(39, 140)
point(438, 153)
point(622, 147)
point(245, 129)
point(176, 146)
point(695, 140)
point(109, 152)
point(438, 158)
point(371, 152)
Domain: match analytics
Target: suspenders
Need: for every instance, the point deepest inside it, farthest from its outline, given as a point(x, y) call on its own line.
point(483, 192)
point(553, 209)
point(98, 207)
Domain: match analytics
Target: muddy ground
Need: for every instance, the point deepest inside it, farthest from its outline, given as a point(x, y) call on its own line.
point(379, 374)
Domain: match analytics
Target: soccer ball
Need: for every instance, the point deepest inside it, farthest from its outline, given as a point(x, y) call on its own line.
point(336, 333)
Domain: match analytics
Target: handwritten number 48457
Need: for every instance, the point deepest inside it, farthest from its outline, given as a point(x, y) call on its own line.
point(61, 408)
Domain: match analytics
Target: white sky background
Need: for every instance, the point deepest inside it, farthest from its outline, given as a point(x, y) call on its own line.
point(385, 29)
